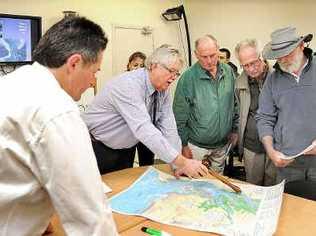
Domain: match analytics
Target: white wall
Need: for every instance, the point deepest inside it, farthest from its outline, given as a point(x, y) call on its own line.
point(233, 20)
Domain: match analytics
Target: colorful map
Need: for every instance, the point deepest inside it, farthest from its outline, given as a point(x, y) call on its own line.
point(203, 205)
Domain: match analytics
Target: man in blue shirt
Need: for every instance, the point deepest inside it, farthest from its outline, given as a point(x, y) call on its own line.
point(136, 106)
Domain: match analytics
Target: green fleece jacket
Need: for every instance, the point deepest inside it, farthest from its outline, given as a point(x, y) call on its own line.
point(205, 109)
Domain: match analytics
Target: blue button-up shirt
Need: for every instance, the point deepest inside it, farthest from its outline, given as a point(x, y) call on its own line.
point(121, 115)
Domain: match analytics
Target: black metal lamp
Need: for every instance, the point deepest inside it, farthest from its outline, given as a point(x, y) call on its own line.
point(175, 14)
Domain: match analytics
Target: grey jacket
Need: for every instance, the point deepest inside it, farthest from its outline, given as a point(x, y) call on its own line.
point(243, 95)
point(287, 109)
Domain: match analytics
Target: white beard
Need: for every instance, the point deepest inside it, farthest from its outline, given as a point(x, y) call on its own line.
point(293, 66)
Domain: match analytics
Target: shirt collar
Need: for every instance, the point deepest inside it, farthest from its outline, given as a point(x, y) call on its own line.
point(301, 70)
point(149, 87)
point(204, 74)
point(46, 73)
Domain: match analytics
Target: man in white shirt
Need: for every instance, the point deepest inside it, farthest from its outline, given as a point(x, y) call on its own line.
point(46, 159)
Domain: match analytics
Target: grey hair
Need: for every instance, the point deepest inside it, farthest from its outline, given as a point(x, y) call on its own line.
point(253, 43)
point(165, 55)
point(206, 37)
point(70, 36)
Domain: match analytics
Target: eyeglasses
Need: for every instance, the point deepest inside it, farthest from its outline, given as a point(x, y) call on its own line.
point(251, 64)
point(171, 71)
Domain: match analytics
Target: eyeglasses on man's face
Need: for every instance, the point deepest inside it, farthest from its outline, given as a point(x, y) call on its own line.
point(252, 64)
point(171, 71)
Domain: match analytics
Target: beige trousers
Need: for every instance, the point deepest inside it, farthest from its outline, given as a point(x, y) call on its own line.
point(216, 156)
point(259, 168)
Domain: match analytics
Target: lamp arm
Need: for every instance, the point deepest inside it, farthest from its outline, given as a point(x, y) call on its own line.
point(188, 37)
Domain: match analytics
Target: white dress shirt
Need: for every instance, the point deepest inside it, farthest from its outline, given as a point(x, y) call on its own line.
point(46, 160)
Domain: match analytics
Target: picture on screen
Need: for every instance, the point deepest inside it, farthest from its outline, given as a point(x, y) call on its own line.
point(15, 40)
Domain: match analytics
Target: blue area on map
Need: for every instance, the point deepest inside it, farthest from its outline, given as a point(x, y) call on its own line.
point(149, 187)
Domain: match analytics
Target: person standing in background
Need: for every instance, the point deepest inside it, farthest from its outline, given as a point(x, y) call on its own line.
point(259, 168)
point(136, 61)
point(205, 107)
point(224, 57)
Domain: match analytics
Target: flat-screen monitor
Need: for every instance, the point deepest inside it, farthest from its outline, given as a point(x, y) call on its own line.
point(18, 37)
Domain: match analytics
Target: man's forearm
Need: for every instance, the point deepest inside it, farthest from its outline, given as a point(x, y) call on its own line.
point(268, 144)
point(276, 156)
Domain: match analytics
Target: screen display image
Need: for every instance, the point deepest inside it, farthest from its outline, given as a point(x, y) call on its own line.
point(15, 40)
point(19, 35)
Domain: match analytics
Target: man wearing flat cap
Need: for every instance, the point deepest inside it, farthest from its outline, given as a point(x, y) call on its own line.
point(287, 106)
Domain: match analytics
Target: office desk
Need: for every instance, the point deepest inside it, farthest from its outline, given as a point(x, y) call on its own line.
point(297, 217)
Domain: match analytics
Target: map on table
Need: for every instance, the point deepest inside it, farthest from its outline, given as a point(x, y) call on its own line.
point(203, 205)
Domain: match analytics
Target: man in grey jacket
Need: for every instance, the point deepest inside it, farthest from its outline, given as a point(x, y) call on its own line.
point(287, 106)
point(259, 168)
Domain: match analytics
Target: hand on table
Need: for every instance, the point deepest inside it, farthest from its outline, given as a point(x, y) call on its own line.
point(192, 168)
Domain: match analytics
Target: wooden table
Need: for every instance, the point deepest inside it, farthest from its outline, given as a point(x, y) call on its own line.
point(298, 215)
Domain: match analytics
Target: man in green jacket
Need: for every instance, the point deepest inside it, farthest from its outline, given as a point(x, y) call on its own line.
point(205, 107)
